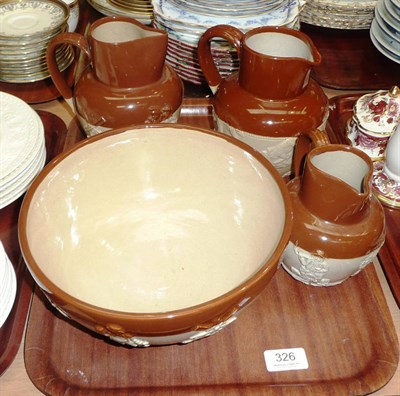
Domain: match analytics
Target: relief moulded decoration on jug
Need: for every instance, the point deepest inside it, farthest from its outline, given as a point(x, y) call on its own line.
point(271, 99)
point(339, 224)
point(124, 80)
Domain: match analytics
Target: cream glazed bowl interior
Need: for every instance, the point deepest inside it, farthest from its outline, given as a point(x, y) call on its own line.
point(157, 234)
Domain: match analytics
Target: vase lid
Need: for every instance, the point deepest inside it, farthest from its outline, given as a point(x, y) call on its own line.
point(378, 113)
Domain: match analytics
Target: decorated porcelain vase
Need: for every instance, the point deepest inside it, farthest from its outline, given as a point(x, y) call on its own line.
point(375, 117)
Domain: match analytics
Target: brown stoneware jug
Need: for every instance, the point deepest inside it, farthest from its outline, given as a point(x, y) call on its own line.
point(125, 79)
point(339, 224)
point(271, 99)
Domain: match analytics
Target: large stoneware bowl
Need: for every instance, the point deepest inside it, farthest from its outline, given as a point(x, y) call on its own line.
point(155, 235)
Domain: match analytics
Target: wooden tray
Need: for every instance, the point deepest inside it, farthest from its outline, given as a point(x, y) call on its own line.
point(341, 110)
point(12, 330)
point(346, 331)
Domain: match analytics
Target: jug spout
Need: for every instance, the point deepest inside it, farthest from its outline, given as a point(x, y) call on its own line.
point(276, 62)
point(335, 183)
point(125, 53)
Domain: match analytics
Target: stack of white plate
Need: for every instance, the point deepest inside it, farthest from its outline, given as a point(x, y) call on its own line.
point(26, 27)
point(22, 147)
point(385, 29)
point(186, 20)
point(141, 10)
point(8, 285)
point(339, 14)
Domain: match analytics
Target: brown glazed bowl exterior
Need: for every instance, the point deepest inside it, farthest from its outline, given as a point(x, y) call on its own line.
point(179, 326)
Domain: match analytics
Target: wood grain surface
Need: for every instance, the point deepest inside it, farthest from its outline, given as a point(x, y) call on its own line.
point(12, 331)
point(350, 60)
point(341, 110)
point(346, 331)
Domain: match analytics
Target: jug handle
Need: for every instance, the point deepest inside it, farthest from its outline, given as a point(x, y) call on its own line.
point(305, 141)
point(230, 33)
point(56, 75)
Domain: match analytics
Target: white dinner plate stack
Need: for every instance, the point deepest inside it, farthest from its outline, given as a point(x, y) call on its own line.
point(141, 10)
point(385, 29)
point(339, 14)
point(22, 147)
point(8, 285)
point(186, 20)
point(26, 28)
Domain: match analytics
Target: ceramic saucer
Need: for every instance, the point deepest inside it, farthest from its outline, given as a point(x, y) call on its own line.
point(393, 11)
point(185, 22)
point(339, 14)
point(26, 28)
point(383, 24)
point(382, 46)
point(389, 42)
point(107, 8)
point(396, 6)
point(30, 17)
point(382, 12)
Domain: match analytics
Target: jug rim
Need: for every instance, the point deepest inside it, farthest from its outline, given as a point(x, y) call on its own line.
point(344, 148)
point(317, 58)
point(121, 18)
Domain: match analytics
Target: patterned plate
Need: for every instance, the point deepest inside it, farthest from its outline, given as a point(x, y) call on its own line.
point(382, 47)
point(186, 21)
point(22, 145)
point(106, 8)
point(339, 14)
point(31, 17)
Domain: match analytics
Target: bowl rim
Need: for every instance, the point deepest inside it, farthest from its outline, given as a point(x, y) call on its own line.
point(217, 303)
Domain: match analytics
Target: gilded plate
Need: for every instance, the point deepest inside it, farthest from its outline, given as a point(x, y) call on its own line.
point(31, 17)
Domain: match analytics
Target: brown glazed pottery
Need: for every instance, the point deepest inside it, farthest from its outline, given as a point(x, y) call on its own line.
point(156, 234)
point(339, 225)
point(125, 79)
point(271, 99)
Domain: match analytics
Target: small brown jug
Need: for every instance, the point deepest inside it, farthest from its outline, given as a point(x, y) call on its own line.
point(271, 99)
point(125, 79)
point(339, 224)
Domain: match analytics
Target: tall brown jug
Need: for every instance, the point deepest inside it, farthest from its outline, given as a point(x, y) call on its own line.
point(271, 99)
